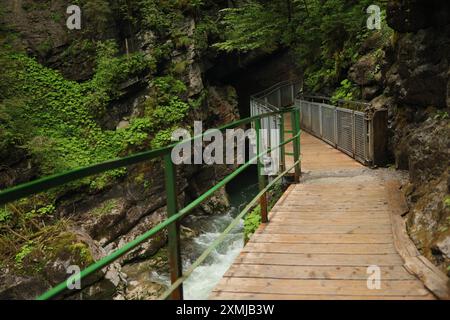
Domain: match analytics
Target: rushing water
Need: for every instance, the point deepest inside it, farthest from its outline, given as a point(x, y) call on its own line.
point(204, 278)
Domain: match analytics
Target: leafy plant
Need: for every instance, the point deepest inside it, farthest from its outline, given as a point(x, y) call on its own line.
point(252, 222)
point(345, 92)
point(251, 27)
point(5, 215)
point(23, 252)
point(441, 115)
point(447, 201)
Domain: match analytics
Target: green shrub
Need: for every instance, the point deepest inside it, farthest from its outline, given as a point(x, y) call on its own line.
point(251, 223)
point(347, 91)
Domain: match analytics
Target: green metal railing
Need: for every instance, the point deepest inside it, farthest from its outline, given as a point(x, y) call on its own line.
point(174, 214)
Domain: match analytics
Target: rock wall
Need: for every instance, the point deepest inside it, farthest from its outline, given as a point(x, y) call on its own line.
point(415, 85)
point(105, 221)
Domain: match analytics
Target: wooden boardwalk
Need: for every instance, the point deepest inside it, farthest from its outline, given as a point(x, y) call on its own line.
point(323, 235)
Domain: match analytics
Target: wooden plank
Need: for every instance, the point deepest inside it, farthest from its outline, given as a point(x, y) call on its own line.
point(330, 212)
point(315, 272)
point(337, 248)
point(321, 238)
point(321, 287)
point(327, 229)
point(295, 215)
point(287, 219)
point(298, 259)
point(224, 295)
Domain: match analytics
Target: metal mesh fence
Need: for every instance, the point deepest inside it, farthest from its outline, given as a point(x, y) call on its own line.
point(343, 128)
point(360, 129)
point(315, 120)
point(272, 99)
point(328, 124)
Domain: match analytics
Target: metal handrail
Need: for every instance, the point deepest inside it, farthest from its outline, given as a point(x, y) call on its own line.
point(259, 96)
point(362, 104)
point(355, 141)
point(174, 215)
point(275, 87)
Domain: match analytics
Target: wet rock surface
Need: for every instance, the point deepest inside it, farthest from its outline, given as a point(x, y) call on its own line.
point(135, 203)
point(416, 96)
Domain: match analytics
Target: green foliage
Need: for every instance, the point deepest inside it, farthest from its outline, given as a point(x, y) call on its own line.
point(97, 14)
point(40, 212)
point(250, 27)
point(5, 215)
point(166, 108)
point(105, 208)
point(347, 91)
point(163, 138)
point(202, 31)
point(325, 36)
point(253, 220)
point(55, 119)
point(24, 251)
point(441, 115)
point(251, 223)
point(447, 202)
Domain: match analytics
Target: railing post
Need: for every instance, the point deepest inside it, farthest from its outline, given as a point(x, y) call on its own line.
point(175, 261)
point(335, 119)
point(261, 175)
point(353, 134)
point(295, 118)
point(282, 148)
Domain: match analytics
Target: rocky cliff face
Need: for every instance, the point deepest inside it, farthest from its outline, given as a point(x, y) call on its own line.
point(414, 78)
point(106, 220)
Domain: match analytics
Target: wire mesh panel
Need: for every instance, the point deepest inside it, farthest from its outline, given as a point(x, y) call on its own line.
point(328, 121)
point(315, 118)
point(306, 115)
point(272, 98)
point(297, 88)
point(286, 95)
point(345, 130)
point(360, 136)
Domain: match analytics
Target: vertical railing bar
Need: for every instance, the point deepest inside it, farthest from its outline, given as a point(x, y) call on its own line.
point(282, 149)
point(296, 130)
point(261, 175)
point(175, 261)
point(320, 121)
point(354, 134)
point(336, 128)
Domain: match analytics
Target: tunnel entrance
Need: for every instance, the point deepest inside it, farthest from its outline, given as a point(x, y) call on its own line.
point(253, 73)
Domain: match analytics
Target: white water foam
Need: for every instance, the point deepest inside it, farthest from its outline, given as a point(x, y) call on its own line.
point(205, 277)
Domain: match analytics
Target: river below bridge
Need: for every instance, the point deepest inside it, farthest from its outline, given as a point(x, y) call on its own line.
point(202, 281)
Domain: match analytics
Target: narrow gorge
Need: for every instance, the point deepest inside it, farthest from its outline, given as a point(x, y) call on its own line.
point(139, 69)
